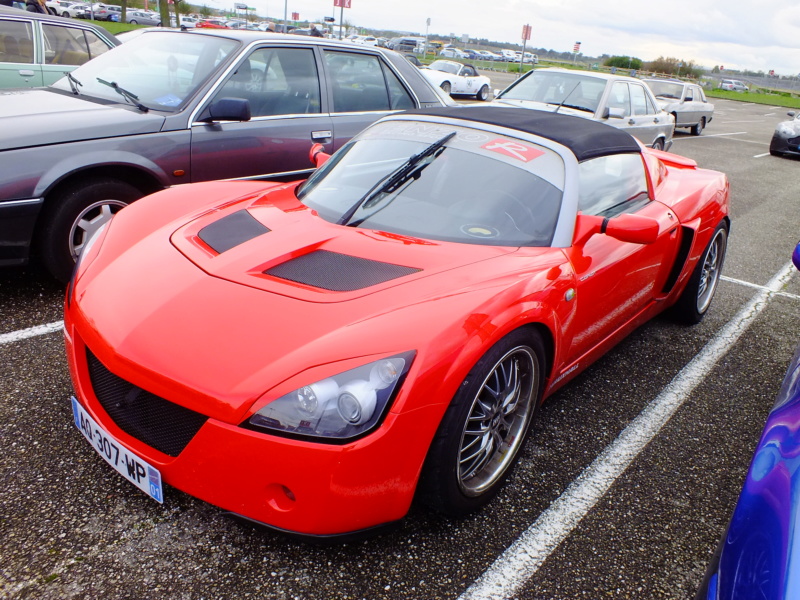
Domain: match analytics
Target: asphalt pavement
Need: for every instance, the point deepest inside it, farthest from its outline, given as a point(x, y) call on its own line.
point(645, 527)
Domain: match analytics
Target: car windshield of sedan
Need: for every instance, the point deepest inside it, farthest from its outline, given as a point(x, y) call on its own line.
point(158, 70)
point(445, 67)
point(455, 184)
point(581, 92)
point(666, 89)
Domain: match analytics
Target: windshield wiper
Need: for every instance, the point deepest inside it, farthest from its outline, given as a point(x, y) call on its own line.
point(73, 82)
point(130, 97)
point(567, 96)
point(392, 182)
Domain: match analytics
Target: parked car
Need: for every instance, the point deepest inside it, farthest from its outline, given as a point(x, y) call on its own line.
point(733, 85)
point(759, 553)
point(99, 12)
point(453, 53)
point(508, 55)
point(170, 107)
point(395, 321)
point(113, 11)
point(211, 24)
point(68, 8)
point(529, 58)
point(623, 102)
point(367, 40)
point(458, 79)
point(139, 17)
point(488, 55)
point(786, 139)
point(686, 102)
point(36, 49)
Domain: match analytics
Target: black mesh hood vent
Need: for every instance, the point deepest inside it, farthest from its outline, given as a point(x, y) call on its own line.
point(232, 230)
point(338, 272)
point(165, 426)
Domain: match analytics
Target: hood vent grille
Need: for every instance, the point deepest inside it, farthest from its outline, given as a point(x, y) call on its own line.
point(232, 230)
point(338, 272)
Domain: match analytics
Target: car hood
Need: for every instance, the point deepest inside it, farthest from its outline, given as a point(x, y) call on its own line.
point(40, 117)
point(293, 293)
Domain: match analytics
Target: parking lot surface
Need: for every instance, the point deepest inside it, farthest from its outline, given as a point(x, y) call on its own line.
point(623, 490)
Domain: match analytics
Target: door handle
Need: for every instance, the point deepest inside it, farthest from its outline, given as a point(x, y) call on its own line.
point(321, 135)
point(26, 73)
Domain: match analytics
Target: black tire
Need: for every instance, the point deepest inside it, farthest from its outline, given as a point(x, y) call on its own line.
point(446, 87)
point(696, 298)
point(697, 129)
point(484, 429)
point(658, 144)
point(483, 94)
point(74, 215)
point(134, 22)
point(66, 14)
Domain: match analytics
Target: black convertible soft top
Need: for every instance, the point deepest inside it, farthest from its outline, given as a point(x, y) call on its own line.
point(584, 137)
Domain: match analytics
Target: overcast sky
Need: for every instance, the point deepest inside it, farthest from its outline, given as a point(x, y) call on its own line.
point(736, 34)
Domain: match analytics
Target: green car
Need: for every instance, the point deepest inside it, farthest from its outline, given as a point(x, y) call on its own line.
point(37, 49)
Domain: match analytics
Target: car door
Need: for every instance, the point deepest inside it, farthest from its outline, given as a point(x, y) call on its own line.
point(67, 46)
point(289, 114)
point(18, 64)
point(362, 87)
point(616, 281)
point(464, 82)
point(649, 122)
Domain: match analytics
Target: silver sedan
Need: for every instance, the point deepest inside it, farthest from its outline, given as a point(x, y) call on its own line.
point(685, 101)
point(621, 101)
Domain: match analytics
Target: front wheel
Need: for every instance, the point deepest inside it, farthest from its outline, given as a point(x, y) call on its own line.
point(485, 426)
point(483, 93)
point(696, 298)
point(446, 87)
point(75, 215)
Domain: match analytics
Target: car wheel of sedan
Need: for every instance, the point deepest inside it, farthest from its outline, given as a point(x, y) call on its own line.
point(483, 93)
point(75, 216)
point(134, 22)
point(697, 129)
point(446, 87)
point(485, 426)
point(65, 14)
point(658, 144)
point(696, 298)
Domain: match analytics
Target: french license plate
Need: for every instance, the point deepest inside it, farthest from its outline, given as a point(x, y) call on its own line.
point(133, 468)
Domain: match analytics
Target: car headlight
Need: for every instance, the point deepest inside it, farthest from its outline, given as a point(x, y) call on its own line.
point(785, 130)
point(337, 408)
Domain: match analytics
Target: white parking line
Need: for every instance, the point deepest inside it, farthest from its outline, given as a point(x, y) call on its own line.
point(21, 334)
point(761, 155)
point(759, 287)
point(700, 137)
point(524, 557)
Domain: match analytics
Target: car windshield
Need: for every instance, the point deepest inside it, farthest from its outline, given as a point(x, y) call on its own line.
point(161, 69)
point(581, 92)
point(444, 66)
point(666, 89)
point(479, 189)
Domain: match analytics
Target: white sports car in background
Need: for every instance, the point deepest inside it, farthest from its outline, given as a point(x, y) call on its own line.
point(455, 78)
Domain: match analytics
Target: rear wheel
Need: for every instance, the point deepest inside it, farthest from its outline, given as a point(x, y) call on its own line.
point(658, 144)
point(697, 129)
point(485, 426)
point(446, 87)
point(696, 298)
point(75, 215)
point(483, 93)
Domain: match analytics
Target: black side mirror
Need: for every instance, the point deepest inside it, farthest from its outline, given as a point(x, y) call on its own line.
point(227, 109)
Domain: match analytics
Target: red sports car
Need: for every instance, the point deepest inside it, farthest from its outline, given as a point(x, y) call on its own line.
point(313, 355)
